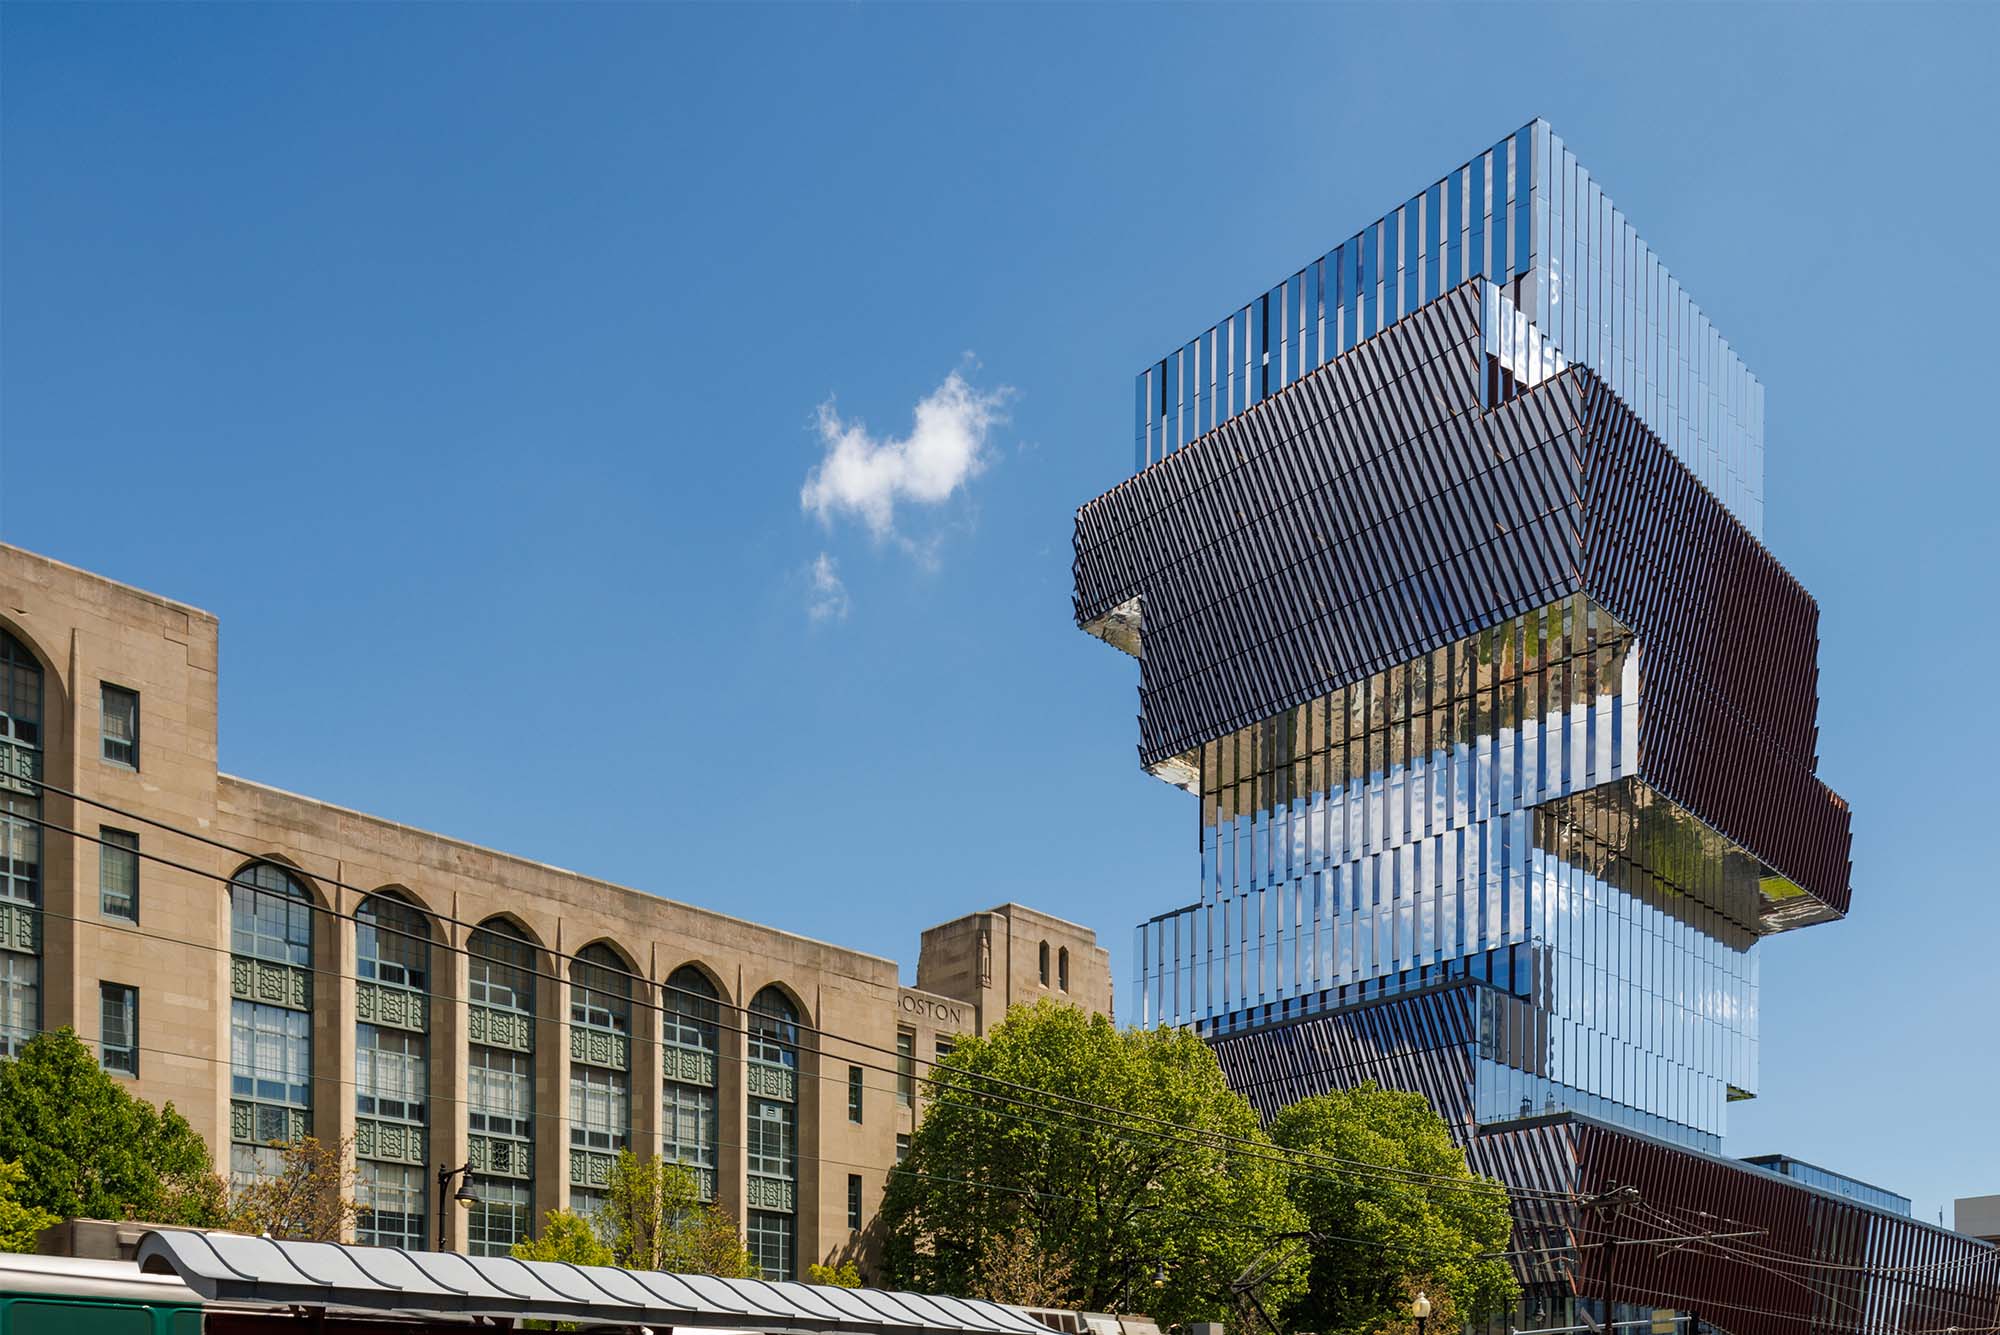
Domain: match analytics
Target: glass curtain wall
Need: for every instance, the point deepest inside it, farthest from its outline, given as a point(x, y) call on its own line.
point(600, 1072)
point(1476, 814)
point(500, 1085)
point(20, 845)
point(1526, 215)
point(688, 1059)
point(391, 1071)
point(772, 1073)
point(270, 1017)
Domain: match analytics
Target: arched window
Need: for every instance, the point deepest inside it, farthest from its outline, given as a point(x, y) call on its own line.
point(500, 1084)
point(1062, 969)
point(773, 1133)
point(600, 992)
point(774, 1029)
point(1045, 964)
point(20, 843)
point(391, 1071)
point(687, 1095)
point(270, 1017)
point(270, 916)
point(691, 1009)
point(600, 1092)
point(392, 943)
point(501, 962)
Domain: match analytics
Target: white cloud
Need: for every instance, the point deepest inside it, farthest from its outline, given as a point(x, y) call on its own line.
point(829, 594)
point(865, 477)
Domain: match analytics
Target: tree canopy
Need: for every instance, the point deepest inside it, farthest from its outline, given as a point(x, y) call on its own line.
point(89, 1149)
point(565, 1236)
point(1380, 1238)
point(1151, 1198)
point(653, 1218)
point(19, 1224)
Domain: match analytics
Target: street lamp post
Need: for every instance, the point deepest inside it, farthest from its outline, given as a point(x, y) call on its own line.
point(1420, 1308)
point(464, 1195)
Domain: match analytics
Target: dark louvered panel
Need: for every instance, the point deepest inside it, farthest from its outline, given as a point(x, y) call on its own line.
point(1372, 512)
point(1816, 1262)
point(1420, 1043)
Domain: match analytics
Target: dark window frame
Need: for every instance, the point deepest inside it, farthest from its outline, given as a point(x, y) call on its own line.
point(112, 848)
point(108, 691)
point(126, 998)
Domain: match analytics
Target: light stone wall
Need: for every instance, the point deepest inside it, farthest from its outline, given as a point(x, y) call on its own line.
point(88, 629)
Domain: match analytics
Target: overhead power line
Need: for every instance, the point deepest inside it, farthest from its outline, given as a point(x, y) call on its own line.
point(1040, 1100)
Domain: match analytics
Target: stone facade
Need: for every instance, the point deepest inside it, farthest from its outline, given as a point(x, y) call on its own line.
point(85, 630)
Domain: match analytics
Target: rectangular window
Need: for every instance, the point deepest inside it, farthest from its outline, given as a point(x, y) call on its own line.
point(118, 873)
point(944, 1047)
point(854, 1201)
point(118, 1041)
point(688, 1120)
point(770, 1239)
point(389, 1200)
point(854, 1094)
point(902, 1148)
point(118, 725)
point(390, 1076)
point(270, 1054)
point(499, 1093)
point(20, 849)
point(906, 1062)
point(500, 1219)
point(600, 1108)
point(20, 1001)
point(584, 1201)
point(773, 1136)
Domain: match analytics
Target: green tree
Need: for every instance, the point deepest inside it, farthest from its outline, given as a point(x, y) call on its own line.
point(1165, 1176)
point(1382, 1238)
point(653, 1218)
point(565, 1236)
point(846, 1275)
point(88, 1148)
point(19, 1224)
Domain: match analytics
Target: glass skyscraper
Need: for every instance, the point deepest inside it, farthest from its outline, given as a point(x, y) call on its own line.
point(1442, 565)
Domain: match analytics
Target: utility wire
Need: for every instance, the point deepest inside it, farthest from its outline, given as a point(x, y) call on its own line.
point(1134, 1136)
point(1715, 1243)
point(1979, 1256)
point(1222, 1140)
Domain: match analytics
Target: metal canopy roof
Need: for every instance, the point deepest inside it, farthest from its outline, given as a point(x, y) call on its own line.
point(234, 1268)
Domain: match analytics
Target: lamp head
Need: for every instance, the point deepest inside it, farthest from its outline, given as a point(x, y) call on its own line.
point(1420, 1306)
point(465, 1195)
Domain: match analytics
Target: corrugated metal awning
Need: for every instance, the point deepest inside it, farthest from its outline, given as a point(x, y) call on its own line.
point(233, 1268)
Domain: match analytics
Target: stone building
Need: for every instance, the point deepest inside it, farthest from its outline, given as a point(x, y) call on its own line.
point(276, 965)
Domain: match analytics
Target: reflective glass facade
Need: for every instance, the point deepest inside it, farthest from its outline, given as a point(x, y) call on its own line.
point(1441, 567)
point(1525, 214)
point(1410, 829)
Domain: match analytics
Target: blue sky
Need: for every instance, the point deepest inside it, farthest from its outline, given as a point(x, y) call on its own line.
point(471, 364)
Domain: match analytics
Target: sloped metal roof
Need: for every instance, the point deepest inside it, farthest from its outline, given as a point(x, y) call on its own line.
point(233, 1268)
